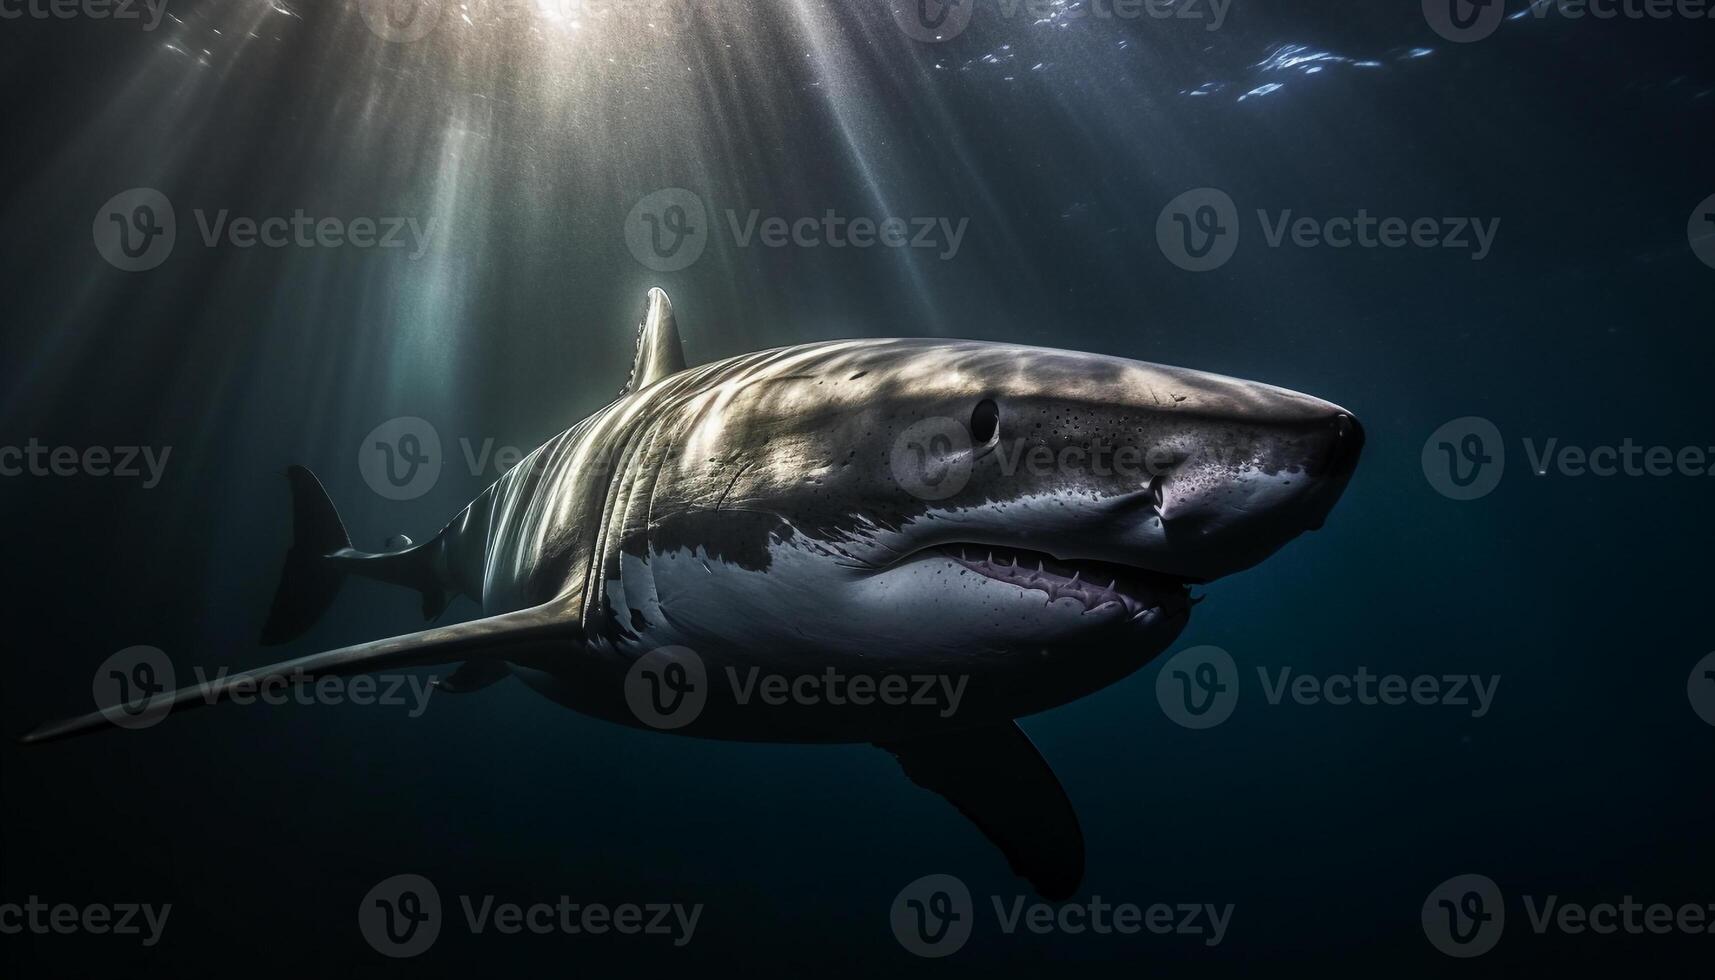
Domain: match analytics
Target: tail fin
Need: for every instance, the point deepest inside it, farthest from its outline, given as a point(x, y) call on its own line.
point(311, 577)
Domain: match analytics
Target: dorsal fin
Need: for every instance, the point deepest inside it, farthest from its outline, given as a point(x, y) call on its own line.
point(658, 350)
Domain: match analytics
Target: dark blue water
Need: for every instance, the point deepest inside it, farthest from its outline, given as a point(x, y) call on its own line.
point(1058, 141)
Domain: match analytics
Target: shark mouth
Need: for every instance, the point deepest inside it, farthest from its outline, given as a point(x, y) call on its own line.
point(1093, 583)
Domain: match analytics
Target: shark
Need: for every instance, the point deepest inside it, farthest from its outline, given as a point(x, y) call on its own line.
point(908, 543)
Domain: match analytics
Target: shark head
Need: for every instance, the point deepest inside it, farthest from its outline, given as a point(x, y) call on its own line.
point(922, 502)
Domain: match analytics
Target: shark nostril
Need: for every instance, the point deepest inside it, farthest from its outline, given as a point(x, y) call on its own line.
point(1158, 493)
point(1348, 442)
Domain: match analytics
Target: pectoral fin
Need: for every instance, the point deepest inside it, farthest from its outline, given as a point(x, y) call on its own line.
point(474, 675)
point(509, 636)
point(1001, 783)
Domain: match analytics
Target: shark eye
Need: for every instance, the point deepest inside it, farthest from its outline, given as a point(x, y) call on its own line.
point(985, 421)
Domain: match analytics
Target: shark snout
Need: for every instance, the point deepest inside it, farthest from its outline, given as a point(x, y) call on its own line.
point(1345, 445)
point(1253, 491)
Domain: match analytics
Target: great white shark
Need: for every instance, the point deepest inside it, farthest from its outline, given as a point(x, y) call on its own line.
point(1008, 527)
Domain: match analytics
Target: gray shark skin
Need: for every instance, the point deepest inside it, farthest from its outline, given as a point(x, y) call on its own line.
point(1021, 523)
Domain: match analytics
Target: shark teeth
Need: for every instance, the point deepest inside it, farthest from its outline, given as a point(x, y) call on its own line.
point(1141, 594)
